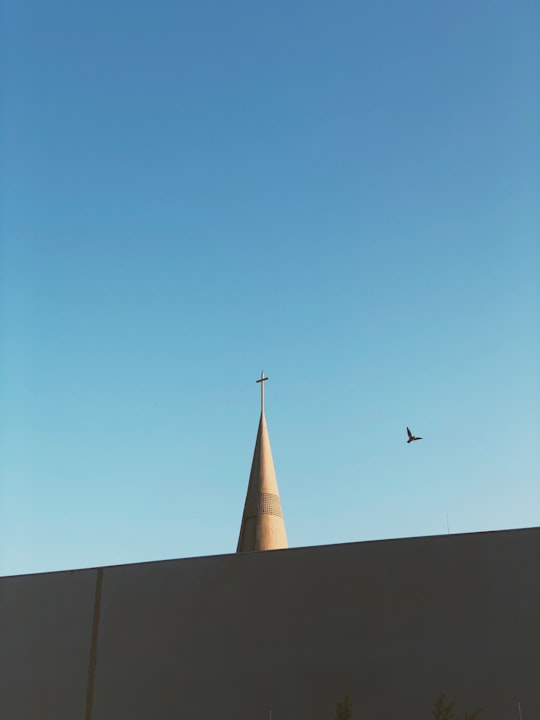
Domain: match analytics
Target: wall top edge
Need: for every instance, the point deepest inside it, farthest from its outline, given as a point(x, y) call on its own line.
point(448, 537)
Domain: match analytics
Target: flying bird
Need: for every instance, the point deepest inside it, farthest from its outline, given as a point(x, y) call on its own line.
point(412, 437)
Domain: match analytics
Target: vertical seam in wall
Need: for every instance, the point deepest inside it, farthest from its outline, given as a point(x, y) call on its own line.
point(93, 647)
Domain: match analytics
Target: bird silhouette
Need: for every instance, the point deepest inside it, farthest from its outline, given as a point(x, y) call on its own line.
point(412, 437)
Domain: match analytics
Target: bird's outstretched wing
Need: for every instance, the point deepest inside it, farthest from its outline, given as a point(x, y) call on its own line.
point(409, 433)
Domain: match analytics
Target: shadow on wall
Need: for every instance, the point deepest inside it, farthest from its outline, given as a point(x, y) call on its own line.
point(442, 710)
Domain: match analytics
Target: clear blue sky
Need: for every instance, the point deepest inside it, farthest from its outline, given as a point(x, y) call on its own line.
point(342, 193)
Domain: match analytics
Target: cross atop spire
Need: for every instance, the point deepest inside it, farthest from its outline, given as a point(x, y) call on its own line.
point(262, 521)
point(262, 380)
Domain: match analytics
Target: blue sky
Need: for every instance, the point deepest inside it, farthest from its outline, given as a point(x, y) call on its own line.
point(344, 194)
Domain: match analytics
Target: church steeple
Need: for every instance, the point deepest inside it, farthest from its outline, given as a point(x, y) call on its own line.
point(262, 527)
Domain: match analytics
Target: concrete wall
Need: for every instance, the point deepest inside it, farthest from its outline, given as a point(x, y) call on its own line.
point(45, 636)
point(391, 623)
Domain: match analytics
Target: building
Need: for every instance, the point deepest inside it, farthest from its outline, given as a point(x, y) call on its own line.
point(263, 527)
point(286, 633)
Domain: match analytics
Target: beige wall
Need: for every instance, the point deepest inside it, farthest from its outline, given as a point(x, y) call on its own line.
point(391, 623)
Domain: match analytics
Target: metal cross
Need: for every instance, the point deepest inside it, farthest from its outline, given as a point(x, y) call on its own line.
point(261, 380)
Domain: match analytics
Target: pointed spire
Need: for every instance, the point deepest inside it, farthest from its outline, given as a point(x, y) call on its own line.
point(263, 527)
